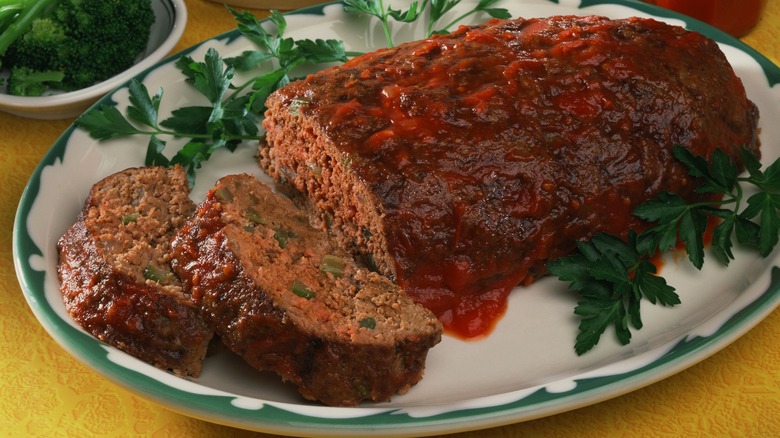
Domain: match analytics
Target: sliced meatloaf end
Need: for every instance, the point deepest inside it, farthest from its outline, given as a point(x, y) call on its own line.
point(286, 299)
point(463, 163)
point(115, 274)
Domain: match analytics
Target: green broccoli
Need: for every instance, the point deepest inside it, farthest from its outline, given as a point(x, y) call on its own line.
point(87, 40)
point(25, 81)
point(39, 46)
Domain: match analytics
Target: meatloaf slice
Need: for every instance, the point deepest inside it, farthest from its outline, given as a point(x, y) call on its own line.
point(115, 275)
point(463, 163)
point(280, 295)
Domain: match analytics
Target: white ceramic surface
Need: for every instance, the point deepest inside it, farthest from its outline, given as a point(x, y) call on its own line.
point(171, 18)
point(525, 369)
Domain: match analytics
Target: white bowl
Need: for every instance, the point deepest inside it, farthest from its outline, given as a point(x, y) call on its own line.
point(171, 17)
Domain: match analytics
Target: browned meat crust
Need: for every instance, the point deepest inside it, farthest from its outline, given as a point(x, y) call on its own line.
point(464, 163)
point(279, 294)
point(124, 229)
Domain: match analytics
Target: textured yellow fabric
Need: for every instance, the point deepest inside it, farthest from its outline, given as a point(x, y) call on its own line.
point(45, 392)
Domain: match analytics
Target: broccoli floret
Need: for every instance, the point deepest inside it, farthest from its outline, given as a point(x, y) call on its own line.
point(108, 35)
point(39, 47)
point(88, 40)
point(25, 81)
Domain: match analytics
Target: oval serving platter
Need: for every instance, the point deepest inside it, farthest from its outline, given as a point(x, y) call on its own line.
point(525, 369)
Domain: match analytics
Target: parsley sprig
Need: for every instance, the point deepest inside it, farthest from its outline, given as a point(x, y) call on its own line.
point(288, 53)
point(233, 112)
point(613, 275)
point(436, 8)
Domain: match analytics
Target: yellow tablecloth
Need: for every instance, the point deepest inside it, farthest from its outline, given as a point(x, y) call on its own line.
point(45, 392)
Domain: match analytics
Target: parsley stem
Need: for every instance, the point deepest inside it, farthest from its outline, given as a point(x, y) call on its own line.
point(758, 183)
point(194, 136)
point(385, 25)
point(240, 88)
point(738, 197)
point(455, 21)
point(731, 198)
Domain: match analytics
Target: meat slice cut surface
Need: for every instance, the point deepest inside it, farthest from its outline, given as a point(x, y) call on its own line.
point(115, 274)
point(284, 298)
point(463, 163)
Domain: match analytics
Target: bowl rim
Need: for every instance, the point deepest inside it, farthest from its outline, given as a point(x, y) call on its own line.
point(101, 88)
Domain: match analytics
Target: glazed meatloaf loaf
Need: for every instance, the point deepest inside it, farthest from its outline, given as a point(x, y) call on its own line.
point(280, 295)
point(463, 163)
point(115, 275)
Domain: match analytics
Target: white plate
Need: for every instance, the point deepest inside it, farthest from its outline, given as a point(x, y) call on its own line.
point(167, 29)
point(525, 369)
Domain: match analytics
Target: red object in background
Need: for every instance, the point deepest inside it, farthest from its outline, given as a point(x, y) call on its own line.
point(736, 17)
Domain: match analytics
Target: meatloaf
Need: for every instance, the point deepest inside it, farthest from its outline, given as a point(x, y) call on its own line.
point(463, 163)
point(115, 274)
point(284, 298)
